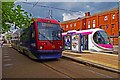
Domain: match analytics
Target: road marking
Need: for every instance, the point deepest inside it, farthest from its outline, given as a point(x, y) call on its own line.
point(7, 60)
point(105, 53)
point(7, 65)
point(6, 56)
point(100, 74)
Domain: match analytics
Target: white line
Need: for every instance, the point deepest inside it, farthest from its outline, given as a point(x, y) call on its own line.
point(7, 65)
point(100, 74)
point(105, 53)
point(7, 60)
point(6, 56)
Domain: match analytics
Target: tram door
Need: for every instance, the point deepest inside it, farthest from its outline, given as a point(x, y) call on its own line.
point(84, 43)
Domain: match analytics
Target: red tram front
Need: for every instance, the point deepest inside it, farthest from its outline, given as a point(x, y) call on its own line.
point(42, 40)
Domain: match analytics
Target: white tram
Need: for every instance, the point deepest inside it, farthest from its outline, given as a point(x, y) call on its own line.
point(95, 40)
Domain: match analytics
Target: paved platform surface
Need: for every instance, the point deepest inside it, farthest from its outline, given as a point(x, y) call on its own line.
point(104, 60)
point(115, 47)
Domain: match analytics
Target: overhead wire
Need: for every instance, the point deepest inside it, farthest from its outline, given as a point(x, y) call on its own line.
point(49, 7)
point(34, 5)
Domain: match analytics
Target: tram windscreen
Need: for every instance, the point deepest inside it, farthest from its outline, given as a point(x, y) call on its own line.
point(101, 37)
point(48, 31)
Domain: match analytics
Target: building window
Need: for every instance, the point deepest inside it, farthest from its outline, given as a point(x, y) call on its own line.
point(113, 25)
point(106, 26)
point(70, 25)
point(66, 26)
point(105, 18)
point(100, 27)
point(113, 16)
point(93, 23)
point(74, 24)
point(113, 34)
point(84, 23)
point(88, 24)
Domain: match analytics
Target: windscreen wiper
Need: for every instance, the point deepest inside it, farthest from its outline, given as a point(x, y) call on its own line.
point(46, 38)
point(54, 35)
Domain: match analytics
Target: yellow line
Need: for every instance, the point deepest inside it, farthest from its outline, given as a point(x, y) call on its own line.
point(98, 62)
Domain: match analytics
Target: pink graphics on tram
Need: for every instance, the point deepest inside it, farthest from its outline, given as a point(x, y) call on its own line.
point(95, 40)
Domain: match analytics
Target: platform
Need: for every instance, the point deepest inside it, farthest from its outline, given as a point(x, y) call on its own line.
point(104, 60)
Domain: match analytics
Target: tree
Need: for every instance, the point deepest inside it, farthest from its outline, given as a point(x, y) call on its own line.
point(17, 15)
point(8, 36)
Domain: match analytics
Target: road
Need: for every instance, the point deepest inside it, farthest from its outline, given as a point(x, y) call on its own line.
point(17, 65)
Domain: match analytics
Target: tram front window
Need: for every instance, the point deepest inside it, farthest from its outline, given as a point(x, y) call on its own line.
point(48, 31)
point(100, 37)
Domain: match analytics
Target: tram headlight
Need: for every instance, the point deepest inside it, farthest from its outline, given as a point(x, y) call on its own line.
point(60, 47)
point(41, 47)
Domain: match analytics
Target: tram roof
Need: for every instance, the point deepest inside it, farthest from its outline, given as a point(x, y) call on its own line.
point(46, 20)
point(82, 31)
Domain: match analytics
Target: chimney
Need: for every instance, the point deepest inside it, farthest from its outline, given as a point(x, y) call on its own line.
point(87, 14)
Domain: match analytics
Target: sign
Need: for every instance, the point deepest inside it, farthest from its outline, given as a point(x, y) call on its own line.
point(47, 24)
point(75, 43)
point(67, 42)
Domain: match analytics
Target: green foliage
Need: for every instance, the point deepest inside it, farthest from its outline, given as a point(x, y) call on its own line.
point(11, 14)
point(8, 36)
point(7, 0)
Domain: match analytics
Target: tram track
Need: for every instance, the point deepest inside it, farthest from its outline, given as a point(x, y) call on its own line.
point(67, 76)
point(86, 68)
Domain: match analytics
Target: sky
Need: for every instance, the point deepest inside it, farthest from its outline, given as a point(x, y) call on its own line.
point(64, 10)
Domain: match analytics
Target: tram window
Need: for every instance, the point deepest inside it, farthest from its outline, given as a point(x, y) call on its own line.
point(95, 37)
point(33, 35)
point(100, 37)
point(32, 32)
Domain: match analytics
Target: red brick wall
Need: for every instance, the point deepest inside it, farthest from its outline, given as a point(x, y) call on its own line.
point(107, 20)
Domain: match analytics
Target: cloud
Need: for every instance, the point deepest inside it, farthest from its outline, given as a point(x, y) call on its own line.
point(68, 16)
point(92, 7)
point(87, 6)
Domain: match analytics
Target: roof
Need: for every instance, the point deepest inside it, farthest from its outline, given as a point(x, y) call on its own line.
point(106, 11)
point(69, 21)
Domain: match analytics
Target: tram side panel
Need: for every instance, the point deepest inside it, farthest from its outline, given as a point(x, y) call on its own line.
point(91, 45)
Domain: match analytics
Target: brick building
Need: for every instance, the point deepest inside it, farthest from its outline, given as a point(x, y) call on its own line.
point(107, 20)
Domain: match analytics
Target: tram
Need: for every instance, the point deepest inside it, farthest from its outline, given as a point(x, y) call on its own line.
point(41, 40)
point(95, 40)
